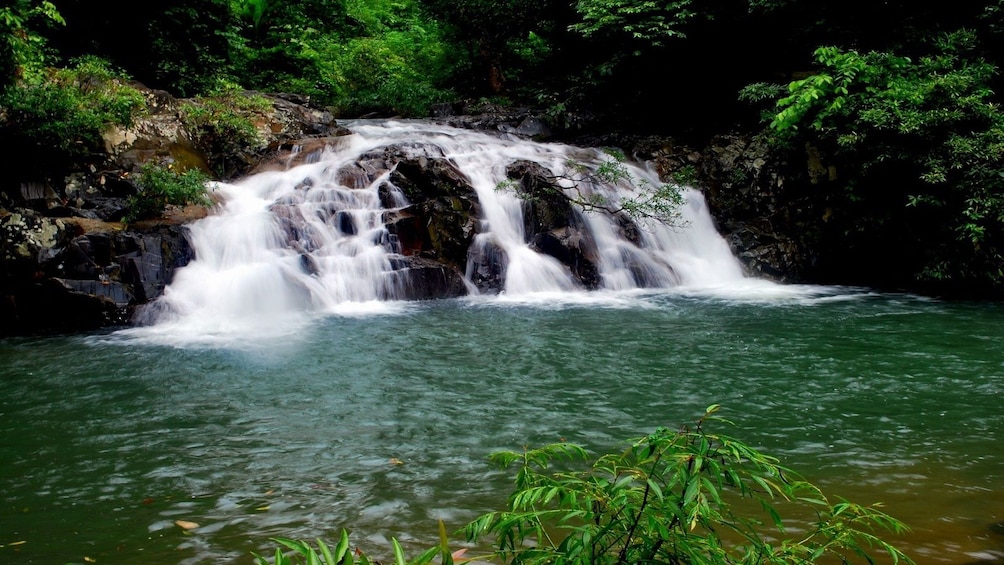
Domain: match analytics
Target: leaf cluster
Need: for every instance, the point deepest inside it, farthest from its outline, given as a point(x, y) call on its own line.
point(58, 117)
point(647, 21)
point(224, 122)
point(670, 497)
point(303, 553)
point(22, 47)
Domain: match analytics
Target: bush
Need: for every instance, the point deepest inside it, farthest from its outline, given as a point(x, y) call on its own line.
point(54, 119)
point(160, 187)
point(671, 497)
point(22, 48)
point(223, 123)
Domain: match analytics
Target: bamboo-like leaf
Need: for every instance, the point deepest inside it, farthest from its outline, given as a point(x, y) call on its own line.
point(329, 559)
point(342, 549)
point(398, 552)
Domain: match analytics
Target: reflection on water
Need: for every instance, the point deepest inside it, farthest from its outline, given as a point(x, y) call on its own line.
point(382, 423)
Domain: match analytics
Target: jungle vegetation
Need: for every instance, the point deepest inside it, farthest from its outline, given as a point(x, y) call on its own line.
point(901, 99)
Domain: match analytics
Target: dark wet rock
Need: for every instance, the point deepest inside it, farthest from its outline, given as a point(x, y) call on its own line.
point(552, 224)
point(442, 219)
point(754, 201)
point(544, 205)
point(420, 278)
point(575, 249)
point(93, 267)
point(426, 178)
point(66, 261)
point(487, 267)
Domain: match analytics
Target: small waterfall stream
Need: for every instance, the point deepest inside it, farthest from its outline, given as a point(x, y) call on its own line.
point(313, 239)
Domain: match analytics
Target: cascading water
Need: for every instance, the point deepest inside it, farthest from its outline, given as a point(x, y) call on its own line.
point(312, 239)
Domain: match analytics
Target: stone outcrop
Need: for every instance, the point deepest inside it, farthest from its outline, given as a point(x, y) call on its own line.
point(67, 262)
point(552, 225)
point(752, 197)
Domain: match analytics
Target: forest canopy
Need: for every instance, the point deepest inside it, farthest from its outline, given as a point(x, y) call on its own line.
point(901, 98)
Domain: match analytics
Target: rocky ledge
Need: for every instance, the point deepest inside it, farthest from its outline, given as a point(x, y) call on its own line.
point(70, 263)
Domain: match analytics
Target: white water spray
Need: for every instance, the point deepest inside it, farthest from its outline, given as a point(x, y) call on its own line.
point(285, 246)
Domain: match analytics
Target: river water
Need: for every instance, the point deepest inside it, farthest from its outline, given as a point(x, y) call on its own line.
point(382, 423)
point(262, 400)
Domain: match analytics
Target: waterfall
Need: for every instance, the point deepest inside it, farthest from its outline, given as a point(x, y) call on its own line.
point(315, 238)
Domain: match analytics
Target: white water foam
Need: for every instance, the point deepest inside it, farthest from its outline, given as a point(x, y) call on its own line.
point(284, 247)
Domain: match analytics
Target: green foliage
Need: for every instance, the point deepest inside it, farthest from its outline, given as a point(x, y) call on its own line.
point(357, 57)
point(51, 120)
point(21, 46)
point(177, 45)
point(499, 37)
point(342, 553)
point(188, 51)
point(919, 144)
point(224, 122)
point(160, 187)
point(392, 74)
point(302, 552)
point(672, 497)
point(647, 21)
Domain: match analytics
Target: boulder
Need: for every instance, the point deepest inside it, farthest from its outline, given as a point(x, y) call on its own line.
point(66, 260)
point(552, 224)
point(442, 218)
point(73, 274)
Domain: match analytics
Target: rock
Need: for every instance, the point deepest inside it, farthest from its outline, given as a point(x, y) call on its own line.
point(746, 186)
point(533, 127)
point(552, 224)
point(419, 278)
point(442, 219)
point(574, 248)
point(66, 263)
point(487, 267)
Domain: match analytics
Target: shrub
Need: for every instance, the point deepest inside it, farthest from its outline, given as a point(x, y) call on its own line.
point(54, 119)
point(670, 497)
point(160, 187)
point(223, 123)
point(22, 47)
point(917, 147)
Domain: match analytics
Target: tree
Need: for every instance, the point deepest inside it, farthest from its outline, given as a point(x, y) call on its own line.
point(21, 45)
point(918, 153)
point(177, 45)
point(490, 31)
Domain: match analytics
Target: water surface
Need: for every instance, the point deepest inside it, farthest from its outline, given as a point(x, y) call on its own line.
point(382, 423)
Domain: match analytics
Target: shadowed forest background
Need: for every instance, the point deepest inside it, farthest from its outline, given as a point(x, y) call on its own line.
point(890, 110)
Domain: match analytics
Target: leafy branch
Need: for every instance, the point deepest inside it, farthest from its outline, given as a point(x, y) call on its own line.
point(670, 498)
point(583, 187)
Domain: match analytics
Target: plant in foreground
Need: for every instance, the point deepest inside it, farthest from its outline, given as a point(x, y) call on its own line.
point(686, 496)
